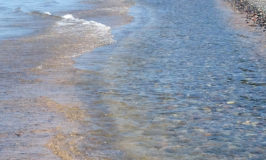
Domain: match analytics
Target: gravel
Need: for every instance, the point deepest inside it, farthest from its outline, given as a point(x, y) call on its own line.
point(260, 4)
point(255, 9)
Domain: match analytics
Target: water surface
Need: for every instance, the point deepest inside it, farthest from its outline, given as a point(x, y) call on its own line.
point(179, 83)
point(19, 18)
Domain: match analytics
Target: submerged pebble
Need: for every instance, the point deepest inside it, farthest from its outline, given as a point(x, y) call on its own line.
point(230, 102)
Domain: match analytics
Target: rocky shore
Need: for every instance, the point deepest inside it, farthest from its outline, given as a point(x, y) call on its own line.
point(255, 9)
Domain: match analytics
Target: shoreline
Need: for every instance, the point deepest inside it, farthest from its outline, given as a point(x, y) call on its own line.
point(47, 107)
point(255, 10)
point(41, 65)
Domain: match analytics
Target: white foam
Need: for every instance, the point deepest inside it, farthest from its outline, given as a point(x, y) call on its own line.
point(82, 31)
point(70, 20)
point(68, 16)
point(47, 13)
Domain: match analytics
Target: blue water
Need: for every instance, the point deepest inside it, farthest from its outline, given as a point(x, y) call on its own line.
point(17, 17)
point(179, 83)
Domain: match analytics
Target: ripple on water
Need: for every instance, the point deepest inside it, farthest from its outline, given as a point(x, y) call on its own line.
point(181, 87)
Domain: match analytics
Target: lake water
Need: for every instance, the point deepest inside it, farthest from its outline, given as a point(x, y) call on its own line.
point(19, 18)
point(179, 82)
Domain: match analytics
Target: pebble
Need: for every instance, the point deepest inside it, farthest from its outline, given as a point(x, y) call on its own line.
point(207, 109)
point(202, 131)
point(3, 135)
point(230, 102)
point(19, 133)
point(256, 12)
point(249, 123)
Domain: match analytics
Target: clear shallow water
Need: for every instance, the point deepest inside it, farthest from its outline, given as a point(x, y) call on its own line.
point(33, 110)
point(179, 83)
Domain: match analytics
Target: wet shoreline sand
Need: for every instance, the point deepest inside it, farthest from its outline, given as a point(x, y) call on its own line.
point(38, 95)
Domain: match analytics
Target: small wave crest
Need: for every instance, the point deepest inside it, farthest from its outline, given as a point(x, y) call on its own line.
point(75, 23)
point(68, 16)
point(47, 13)
point(71, 36)
point(69, 24)
point(69, 19)
point(44, 14)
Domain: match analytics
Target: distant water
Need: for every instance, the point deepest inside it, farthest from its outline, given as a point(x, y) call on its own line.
point(21, 17)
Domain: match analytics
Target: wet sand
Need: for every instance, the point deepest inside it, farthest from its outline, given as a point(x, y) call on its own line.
point(40, 107)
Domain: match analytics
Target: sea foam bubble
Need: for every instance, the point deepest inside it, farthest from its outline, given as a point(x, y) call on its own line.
point(68, 16)
point(69, 22)
point(47, 13)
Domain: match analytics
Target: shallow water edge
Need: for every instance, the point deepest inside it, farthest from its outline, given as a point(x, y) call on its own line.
point(40, 107)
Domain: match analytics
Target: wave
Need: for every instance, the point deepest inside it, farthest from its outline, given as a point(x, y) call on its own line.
point(70, 37)
point(70, 20)
point(43, 14)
